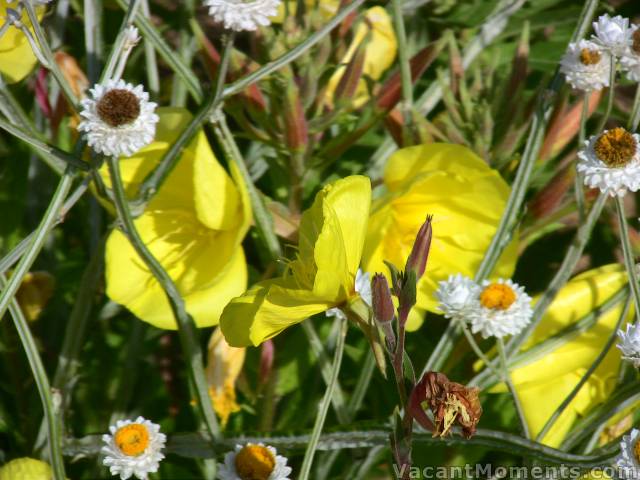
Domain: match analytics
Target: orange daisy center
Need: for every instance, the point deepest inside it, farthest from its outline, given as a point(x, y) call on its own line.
point(616, 147)
point(497, 296)
point(589, 57)
point(255, 462)
point(133, 439)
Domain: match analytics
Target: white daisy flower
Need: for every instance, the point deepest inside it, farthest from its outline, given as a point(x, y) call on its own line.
point(363, 288)
point(586, 66)
point(254, 461)
point(612, 33)
point(630, 59)
point(611, 162)
point(502, 308)
point(630, 344)
point(628, 462)
point(118, 119)
point(133, 448)
point(456, 295)
point(242, 15)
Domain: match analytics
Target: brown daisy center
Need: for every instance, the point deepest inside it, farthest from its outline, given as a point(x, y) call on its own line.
point(616, 147)
point(132, 440)
point(635, 46)
point(255, 462)
point(589, 57)
point(497, 296)
point(118, 107)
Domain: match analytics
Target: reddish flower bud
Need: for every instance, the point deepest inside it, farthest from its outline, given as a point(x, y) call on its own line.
point(295, 123)
point(383, 308)
point(450, 402)
point(417, 260)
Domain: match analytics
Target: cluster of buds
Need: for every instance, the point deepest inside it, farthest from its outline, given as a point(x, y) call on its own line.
point(450, 403)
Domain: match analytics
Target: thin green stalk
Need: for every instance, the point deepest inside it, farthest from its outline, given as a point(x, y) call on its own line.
point(563, 274)
point(405, 66)
point(156, 178)
point(153, 76)
point(42, 383)
point(476, 349)
point(324, 406)
point(14, 255)
point(92, 17)
point(610, 96)
point(37, 242)
point(578, 180)
point(193, 445)
point(114, 56)
point(512, 389)
point(61, 157)
point(627, 251)
point(634, 118)
point(74, 337)
point(260, 213)
point(592, 368)
point(52, 65)
point(293, 54)
point(338, 401)
point(186, 327)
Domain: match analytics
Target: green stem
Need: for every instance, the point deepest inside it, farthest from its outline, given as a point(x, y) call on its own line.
point(48, 54)
point(156, 178)
point(563, 274)
point(634, 119)
point(260, 213)
point(610, 96)
point(627, 251)
point(512, 389)
point(578, 179)
point(592, 368)
point(60, 157)
point(186, 327)
point(114, 55)
point(405, 66)
point(338, 401)
point(476, 348)
point(42, 383)
point(324, 405)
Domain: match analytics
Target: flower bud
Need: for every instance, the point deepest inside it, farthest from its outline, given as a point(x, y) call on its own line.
point(383, 308)
point(417, 260)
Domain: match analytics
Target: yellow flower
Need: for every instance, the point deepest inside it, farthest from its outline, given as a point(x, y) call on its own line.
point(466, 198)
point(224, 364)
point(26, 469)
point(16, 57)
point(193, 226)
point(35, 292)
point(381, 47)
point(553, 376)
point(322, 276)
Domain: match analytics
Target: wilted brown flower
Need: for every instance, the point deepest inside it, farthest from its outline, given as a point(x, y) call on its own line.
point(450, 403)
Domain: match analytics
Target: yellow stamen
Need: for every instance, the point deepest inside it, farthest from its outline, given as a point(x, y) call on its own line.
point(636, 450)
point(133, 439)
point(255, 462)
point(497, 296)
point(616, 147)
point(589, 57)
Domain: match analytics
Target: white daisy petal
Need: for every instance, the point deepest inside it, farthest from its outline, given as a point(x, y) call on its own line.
point(502, 308)
point(612, 33)
point(627, 462)
point(242, 15)
point(118, 118)
point(133, 448)
point(586, 66)
point(362, 287)
point(630, 58)
point(615, 177)
point(630, 344)
point(456, 295)
point(255, 461)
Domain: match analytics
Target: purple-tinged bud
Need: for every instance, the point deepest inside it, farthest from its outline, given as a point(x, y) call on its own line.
point(417, 260)
point(383, 309)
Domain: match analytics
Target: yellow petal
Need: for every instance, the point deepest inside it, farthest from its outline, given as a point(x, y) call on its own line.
point(381, 47)
point(208, 268)
point(465, 196)
point(16, 57)
point(554, 375)
point(224, 365)
point(265, 310)
point(327, 8)
point(34, 293)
